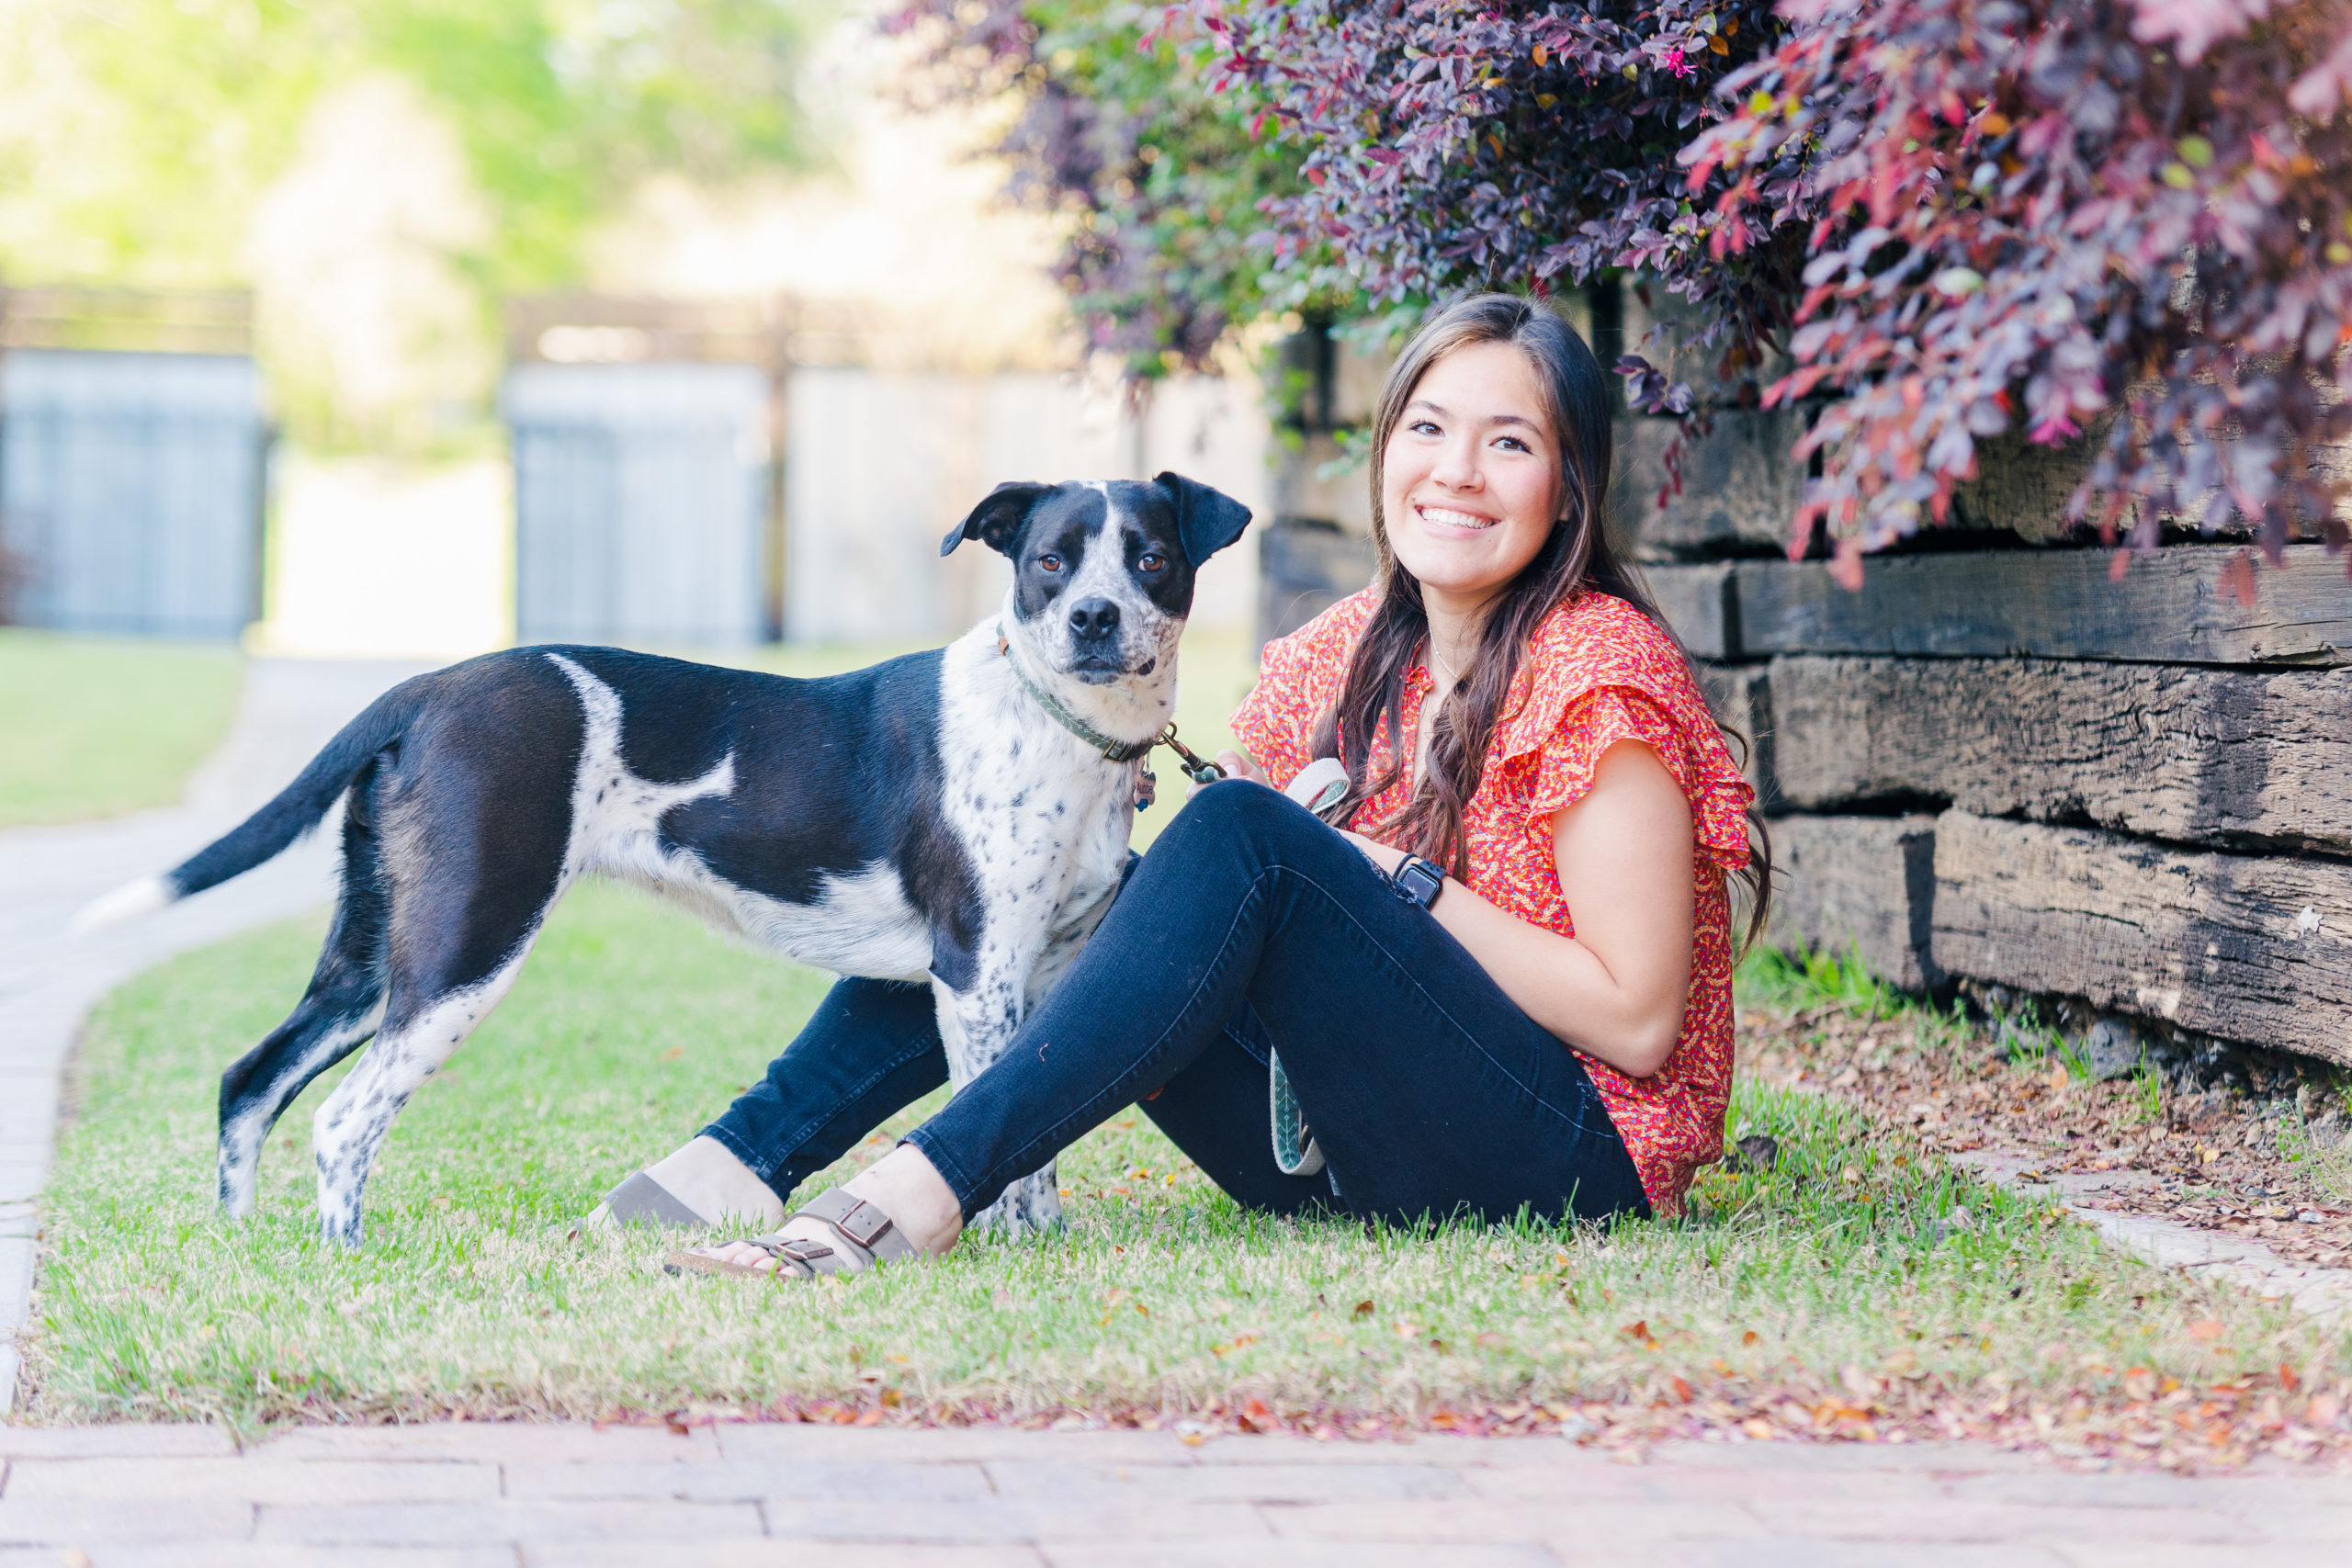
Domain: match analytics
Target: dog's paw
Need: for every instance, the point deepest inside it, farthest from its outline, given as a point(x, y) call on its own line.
point(1029, 1207)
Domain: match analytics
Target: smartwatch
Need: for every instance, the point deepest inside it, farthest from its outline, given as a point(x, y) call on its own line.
point(1416, 880)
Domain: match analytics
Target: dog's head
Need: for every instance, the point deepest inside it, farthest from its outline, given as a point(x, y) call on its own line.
point(1102, 572)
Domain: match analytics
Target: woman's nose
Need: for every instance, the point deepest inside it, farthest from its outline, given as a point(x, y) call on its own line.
point(1457, 466)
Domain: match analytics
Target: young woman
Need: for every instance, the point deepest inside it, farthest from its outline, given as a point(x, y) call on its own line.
point(1551, 1032)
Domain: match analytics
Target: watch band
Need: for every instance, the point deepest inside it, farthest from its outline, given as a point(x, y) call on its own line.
point(1418, 880)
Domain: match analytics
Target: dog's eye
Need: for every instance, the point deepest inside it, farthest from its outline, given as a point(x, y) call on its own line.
point(1152, 560)
point(1049, 563)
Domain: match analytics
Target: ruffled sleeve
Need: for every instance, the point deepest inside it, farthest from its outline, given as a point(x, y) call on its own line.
point(1607, 675)
point(1589, 726)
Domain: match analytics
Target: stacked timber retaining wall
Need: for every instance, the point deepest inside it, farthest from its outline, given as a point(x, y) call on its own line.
point(2131, 795)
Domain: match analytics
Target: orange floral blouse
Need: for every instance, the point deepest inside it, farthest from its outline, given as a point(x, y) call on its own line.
point(1598, 673)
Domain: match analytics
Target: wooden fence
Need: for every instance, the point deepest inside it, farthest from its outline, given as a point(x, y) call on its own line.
point(133, 463)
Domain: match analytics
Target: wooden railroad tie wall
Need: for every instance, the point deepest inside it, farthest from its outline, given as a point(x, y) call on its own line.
point(2010, 767)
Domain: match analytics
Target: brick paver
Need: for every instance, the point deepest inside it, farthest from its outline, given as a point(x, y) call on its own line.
point(526, 1495)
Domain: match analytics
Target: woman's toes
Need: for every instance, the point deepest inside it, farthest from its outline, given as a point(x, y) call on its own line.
point(741, 1253)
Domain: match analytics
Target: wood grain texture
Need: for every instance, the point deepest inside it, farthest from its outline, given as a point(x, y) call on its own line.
point(2243, 760)
point(2172, 608)
point(1740, 487)
point(2255, 949)
point(1697, 602)
point(1741, 698)
point(1864, 884)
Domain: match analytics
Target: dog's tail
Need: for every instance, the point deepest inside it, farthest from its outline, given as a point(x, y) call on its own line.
point(269, 831)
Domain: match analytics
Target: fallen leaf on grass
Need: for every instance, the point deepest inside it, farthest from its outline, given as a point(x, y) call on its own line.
point(2205, 1328)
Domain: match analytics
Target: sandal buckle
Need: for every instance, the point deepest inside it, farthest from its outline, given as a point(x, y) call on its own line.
point(858, 1228)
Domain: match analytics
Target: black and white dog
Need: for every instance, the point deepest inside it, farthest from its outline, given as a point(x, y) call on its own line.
point(930, 818)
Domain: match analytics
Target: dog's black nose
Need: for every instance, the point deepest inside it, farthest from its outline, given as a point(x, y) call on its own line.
point(1094, 617)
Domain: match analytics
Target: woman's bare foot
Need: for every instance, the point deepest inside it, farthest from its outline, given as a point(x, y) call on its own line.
point(903, 1184)
point(708, 1179)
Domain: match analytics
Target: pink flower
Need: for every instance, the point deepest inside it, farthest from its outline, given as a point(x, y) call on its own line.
point(1676, 64)
point(2053, 430)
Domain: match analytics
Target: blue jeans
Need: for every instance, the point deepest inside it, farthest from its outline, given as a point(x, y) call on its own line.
point(1251, 927)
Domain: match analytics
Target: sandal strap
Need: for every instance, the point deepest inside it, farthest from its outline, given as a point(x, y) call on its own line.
point(797, 1254)
point(865, 1226)
point(641, 1200)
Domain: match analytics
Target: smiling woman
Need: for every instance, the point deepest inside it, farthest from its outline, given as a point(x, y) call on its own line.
point(1546, 1031)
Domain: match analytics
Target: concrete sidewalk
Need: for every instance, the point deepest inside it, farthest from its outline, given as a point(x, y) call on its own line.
point(517, 1495)
point(48, 980)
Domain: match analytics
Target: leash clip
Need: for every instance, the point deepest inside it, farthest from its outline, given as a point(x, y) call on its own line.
point(1197, 768)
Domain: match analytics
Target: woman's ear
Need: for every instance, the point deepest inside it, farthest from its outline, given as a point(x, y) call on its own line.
point(998, 521)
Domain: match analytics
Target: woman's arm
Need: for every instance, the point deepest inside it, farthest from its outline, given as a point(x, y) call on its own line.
point(1618, 988)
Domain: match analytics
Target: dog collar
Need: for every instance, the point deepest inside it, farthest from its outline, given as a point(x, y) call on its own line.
point(1198, 769)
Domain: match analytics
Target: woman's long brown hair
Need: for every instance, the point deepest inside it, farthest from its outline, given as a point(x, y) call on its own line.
point(1577, 556)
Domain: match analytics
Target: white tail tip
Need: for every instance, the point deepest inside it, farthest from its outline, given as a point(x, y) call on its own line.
point(141, 897)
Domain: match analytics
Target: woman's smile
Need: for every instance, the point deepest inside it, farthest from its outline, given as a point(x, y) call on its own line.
point(1452, 520)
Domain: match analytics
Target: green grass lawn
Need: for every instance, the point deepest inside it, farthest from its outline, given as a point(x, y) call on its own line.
point(93, 727)
point(1837, 1294)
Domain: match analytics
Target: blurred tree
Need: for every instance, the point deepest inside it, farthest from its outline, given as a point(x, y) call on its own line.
point(138, 134)
point(185, 142)
point(1113, 127)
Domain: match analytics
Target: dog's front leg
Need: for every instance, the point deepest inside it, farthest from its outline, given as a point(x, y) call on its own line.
point(975, 1024)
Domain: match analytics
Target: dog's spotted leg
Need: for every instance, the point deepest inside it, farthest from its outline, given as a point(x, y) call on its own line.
point(975, 1024)
point(259, 1087)
point(350, 1127)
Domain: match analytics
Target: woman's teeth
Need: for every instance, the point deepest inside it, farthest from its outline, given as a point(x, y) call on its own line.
point(1446, 517)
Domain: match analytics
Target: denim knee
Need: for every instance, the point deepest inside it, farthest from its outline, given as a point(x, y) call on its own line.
point(1241, 809)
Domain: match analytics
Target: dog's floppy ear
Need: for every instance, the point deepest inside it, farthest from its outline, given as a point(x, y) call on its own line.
point(995, 521)
point(1207, 520)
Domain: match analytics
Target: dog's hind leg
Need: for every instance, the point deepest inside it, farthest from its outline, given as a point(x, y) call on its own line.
point(460, 924)
point(423, 1028)
point(340, 1010)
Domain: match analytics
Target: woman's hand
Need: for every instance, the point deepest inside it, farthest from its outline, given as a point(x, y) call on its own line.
point(1236, 765)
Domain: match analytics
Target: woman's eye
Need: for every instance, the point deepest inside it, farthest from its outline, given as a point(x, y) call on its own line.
point(1049, 563)
point(1513, 442)
point(1152, 561)
point(1424, 427)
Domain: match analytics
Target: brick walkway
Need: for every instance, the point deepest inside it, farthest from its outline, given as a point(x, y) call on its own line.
point(522, 1496)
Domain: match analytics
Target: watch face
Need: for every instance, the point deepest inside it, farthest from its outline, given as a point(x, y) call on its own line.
point(1420, 879)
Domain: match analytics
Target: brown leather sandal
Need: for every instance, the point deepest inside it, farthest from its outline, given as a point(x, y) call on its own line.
point(867, 1237)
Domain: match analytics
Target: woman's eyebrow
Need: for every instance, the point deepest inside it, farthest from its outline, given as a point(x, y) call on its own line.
point(1491, 418)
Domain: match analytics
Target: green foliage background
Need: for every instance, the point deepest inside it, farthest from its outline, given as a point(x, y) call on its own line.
point(137, 135)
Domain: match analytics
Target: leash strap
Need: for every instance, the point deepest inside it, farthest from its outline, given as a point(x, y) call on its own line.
point(1296, 1151)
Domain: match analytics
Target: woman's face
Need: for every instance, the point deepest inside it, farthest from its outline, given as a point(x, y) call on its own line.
point(1471, 478)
